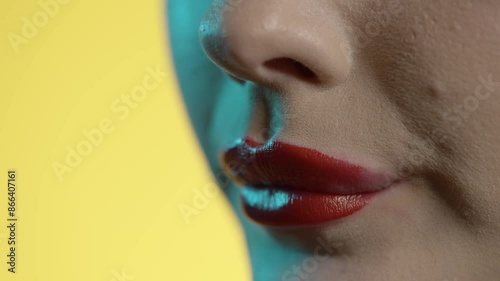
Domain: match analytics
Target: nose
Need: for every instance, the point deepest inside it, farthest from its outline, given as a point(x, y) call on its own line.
point(277, 42)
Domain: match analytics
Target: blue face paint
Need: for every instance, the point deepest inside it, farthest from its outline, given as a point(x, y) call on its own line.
point(275, 111)
point(277, 114)
point(219, 110)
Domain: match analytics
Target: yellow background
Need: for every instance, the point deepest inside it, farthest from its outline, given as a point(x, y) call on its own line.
point(115, 216)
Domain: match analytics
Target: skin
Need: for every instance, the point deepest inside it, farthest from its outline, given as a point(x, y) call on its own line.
point(407, 87)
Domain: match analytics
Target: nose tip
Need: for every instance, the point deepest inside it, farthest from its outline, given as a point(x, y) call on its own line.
point(276, 42)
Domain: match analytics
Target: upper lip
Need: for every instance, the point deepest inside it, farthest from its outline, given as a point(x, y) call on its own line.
point(279, 165)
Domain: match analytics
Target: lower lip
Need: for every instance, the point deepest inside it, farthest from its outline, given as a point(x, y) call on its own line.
point(275, 207)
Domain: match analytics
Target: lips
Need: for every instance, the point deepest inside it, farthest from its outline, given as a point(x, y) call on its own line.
point(288, 185)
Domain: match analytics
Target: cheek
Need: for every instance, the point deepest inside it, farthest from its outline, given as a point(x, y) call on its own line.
point(451, 69)
point(438, 64)
point(457, 51)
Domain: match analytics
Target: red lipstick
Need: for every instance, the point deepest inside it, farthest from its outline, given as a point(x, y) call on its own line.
point(288, 185)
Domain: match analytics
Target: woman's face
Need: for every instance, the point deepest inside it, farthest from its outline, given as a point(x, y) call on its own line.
point(386, 111)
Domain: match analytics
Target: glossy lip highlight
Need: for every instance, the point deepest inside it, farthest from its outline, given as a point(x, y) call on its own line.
point(286, 185)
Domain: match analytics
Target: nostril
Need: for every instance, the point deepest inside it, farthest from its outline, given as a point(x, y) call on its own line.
point(292, 67)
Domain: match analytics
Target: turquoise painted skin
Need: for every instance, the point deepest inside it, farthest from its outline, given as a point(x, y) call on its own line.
point(219, 110)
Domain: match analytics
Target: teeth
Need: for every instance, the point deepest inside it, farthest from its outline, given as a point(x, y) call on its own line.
point(269, 200)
